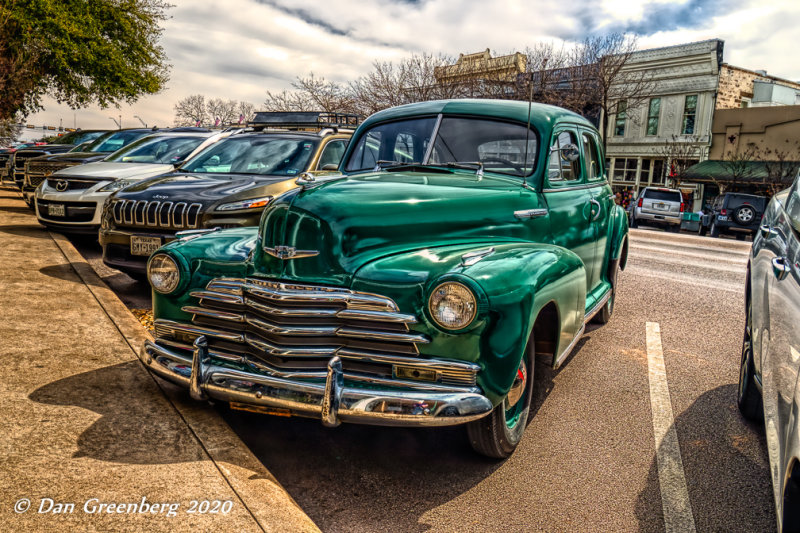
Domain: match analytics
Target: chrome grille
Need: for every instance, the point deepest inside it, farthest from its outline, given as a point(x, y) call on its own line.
point(156, 214)
point(72, 184)
point(300, 327)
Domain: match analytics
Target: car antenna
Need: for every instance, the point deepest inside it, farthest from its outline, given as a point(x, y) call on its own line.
point(528, 131)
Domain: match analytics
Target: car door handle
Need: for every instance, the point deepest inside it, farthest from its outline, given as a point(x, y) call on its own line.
point(780, 267)
point(596, 209)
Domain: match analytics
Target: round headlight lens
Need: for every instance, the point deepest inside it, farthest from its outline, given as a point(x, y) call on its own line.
point(452, 305)
point(163, 273)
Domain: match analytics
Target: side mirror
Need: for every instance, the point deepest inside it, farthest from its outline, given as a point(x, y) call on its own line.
point(570, 152)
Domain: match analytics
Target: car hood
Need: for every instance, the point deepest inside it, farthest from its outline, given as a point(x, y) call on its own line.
point(76, 157)
point(205, 189)
point(351, 221)
point(106, 170)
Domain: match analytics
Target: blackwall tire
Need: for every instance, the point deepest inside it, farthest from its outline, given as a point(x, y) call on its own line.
point(491, 435)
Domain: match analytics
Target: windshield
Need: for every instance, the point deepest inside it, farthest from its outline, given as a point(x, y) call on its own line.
point(113, 141)
point(255, 154)
point(499, 146)
point(78, 137)
point(157, 149)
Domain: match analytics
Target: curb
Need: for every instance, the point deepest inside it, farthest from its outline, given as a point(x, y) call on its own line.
point(271, 507)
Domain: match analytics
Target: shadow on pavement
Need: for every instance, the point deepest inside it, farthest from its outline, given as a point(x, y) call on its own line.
point(726, 474)
point(132, 427)
point(18, 209)
point(26, 230)
point(371, 478)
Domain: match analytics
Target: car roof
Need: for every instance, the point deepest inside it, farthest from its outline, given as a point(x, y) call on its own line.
point(502, 109)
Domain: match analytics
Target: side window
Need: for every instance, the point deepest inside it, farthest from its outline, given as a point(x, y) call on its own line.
point(560, 168)
point(590, 155)
point(366, 153)
point(404, 148)
point(331, 154)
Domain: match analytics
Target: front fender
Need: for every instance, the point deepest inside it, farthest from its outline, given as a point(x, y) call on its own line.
point(515, 282)
point(225, 253)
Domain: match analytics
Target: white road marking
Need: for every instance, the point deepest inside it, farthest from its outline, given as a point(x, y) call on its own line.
point(674, 495)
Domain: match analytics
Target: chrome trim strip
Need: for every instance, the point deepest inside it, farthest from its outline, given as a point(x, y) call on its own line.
point(368, 405)
point(597, 306)
point(312, 294)
point(531, 213)
point(213, 313)
point(174, 218)
point(199, 330)
point(217, 297)
point(434, 133)
point(560, 359)
point(578, 187)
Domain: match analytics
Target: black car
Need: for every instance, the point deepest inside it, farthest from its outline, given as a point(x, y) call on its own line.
point(41, 167)
point(769, 388)
point(734, 213)
point(226, 185)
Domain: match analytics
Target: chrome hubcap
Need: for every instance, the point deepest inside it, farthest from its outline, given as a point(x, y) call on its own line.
point(518, 387)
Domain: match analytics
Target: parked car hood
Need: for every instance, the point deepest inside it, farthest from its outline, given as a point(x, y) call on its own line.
point(106, 170)
point(351, 221)
point(204, 189)
point(76, 157)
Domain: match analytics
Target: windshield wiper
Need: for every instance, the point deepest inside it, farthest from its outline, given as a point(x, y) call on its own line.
point(477, 165)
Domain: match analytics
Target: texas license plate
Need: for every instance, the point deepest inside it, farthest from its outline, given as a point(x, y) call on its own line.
point(56, 210)
point(144, 245)
point(661, 206)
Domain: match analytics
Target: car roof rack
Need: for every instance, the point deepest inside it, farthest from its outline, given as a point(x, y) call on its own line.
point(303, 120)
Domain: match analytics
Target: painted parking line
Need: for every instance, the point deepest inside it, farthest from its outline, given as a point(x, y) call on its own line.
point(674, 495)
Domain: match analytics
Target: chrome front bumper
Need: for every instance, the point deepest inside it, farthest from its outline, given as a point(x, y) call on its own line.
point(331, 401)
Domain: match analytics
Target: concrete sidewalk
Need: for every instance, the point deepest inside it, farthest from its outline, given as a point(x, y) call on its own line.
point(83, 424)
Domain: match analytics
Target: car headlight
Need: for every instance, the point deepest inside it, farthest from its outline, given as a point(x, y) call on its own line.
point(252, 203)
point(163, 273)
point(116, 185)
point(452, 305)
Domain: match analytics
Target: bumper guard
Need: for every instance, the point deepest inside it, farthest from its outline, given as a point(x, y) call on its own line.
point(332, 402)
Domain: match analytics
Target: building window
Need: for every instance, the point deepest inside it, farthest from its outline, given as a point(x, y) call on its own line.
point(644, 174)
point(619, 123)
point(652, 116)
point(658, 172)
point(625, 169)
point(689, 113)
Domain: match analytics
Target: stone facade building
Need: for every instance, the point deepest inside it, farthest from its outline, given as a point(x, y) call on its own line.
point(739, 87)
point(480, 73)
point(675, 119)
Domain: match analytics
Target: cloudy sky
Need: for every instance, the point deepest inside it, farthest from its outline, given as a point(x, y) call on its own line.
point(239, 49)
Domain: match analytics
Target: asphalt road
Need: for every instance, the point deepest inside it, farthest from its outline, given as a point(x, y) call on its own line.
point(589, 460)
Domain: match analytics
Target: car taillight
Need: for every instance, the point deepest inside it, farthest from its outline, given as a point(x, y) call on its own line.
point(724, 212)
point(683, 207)
point(640, 203)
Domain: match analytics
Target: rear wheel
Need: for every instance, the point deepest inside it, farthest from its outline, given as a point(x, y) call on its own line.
point(498, 434)
point(714, 230)
point(604, 315)
point(748, 397)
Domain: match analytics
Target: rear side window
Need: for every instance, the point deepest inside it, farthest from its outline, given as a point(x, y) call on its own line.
point(664, 196)
point(735, 201)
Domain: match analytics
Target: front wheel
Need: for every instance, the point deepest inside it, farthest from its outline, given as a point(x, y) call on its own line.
point(498, 434)
point(748, 396)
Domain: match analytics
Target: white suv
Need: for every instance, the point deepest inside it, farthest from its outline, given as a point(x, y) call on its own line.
point(658, 206)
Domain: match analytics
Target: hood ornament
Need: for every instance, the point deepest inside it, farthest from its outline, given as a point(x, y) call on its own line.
point(61, 185)
point(289, 252)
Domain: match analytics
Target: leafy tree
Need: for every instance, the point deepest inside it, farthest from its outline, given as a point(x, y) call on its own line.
point(104, 52)
point(9, 131)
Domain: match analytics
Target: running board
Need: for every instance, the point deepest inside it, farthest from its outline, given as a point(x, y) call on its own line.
point(590, 315)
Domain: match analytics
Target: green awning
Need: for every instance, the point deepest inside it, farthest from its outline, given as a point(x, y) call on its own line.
point(727, 171)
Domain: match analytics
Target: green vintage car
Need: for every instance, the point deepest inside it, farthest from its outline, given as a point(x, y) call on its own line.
point(416, 288)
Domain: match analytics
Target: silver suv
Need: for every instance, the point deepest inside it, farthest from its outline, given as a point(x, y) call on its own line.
point(658, 207)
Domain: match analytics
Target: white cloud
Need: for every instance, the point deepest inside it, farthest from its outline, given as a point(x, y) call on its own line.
point(239, 49)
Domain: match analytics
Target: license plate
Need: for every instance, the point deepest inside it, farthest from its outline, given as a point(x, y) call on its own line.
point(144, 245)
point(56, 210)
point(722, 218)
point(661, 206)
